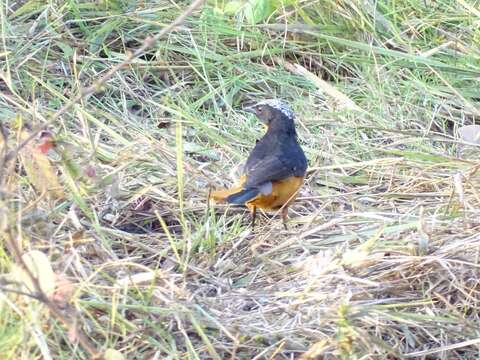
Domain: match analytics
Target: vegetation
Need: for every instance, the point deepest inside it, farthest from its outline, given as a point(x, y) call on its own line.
point(381, 259)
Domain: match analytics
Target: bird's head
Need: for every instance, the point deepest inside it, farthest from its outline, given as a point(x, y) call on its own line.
point(274, 114)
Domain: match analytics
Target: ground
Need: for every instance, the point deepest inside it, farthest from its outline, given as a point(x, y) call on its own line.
point(381, 258)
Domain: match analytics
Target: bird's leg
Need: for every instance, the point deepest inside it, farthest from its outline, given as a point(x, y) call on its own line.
point(208, 198)
point(254, 215)
point(285, 216)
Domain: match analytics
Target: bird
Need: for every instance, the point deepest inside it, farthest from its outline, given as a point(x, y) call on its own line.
point(276, 167)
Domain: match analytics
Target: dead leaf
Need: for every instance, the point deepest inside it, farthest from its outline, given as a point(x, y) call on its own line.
point(72, 334)
point(40, 172)
point(470, 133)
point(112, 354)
point(46, 143)
point(144, 277)
point(64, 289)
point(39, 265)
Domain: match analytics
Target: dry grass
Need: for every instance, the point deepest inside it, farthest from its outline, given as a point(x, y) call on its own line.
point(382, 256)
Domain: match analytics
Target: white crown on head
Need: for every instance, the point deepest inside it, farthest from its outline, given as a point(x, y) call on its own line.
point(279, 105)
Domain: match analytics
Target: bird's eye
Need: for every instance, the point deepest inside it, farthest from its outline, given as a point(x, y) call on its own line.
point(260, 109)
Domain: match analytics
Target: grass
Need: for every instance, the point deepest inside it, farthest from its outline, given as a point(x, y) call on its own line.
point(382, 256)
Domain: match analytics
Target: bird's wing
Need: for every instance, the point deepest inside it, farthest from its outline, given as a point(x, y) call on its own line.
point(270, 168)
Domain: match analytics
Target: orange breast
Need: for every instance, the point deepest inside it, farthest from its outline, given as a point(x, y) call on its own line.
point(283, 192)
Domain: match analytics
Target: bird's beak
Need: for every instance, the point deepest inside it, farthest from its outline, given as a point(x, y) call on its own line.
point(250, 109)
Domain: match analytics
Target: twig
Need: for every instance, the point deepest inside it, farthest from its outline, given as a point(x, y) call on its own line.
point(18, 292)
point(3, 152)
point(51, 305)
point(66, 316)
point(148, 42)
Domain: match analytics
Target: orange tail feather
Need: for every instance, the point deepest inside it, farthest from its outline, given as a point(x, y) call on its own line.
point(221, 195)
